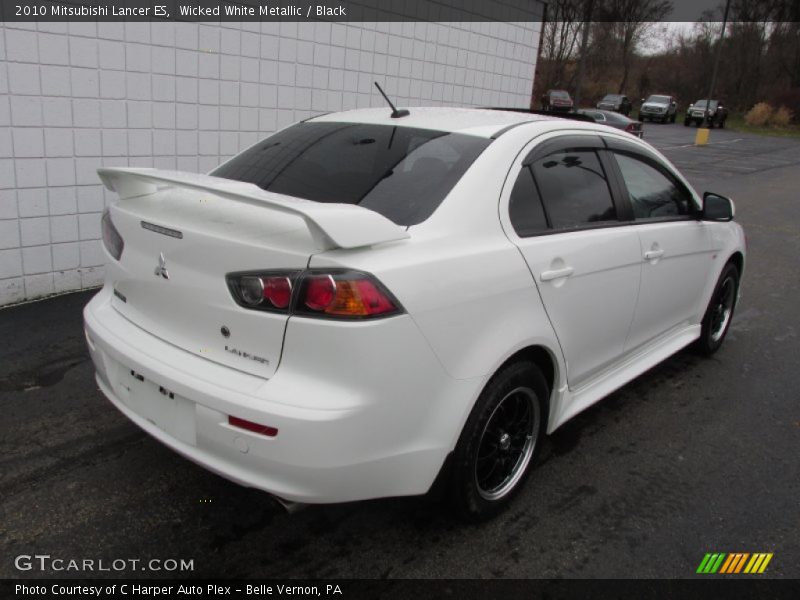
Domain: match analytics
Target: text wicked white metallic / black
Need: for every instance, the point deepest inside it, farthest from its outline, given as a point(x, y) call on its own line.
point(358, 301)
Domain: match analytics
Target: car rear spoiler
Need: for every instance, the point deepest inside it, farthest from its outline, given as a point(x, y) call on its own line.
point(332, 225)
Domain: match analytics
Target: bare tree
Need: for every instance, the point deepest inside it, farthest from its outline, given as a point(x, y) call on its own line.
point(560, 40)
point(749, 31)
point(629, 22)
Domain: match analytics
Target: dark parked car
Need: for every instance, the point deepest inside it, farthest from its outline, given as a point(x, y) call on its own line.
point(659, 107)
point(617, 103)
point(706, 112)
point(614, 119)
point(557, 101)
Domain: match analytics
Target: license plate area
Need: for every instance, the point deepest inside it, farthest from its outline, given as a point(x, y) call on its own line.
point(173, 414)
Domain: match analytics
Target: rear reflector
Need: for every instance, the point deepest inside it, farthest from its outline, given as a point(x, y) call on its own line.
point(112, 240)
point(254, 427)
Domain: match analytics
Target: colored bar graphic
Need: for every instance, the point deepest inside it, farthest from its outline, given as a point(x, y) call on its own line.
point(734, 562)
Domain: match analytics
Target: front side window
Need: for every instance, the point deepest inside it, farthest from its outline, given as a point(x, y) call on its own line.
point(653, 194)
point(403, 173)
point(574, 189)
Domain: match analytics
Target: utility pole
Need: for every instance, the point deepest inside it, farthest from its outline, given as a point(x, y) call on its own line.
point(584, 44)
point(719, 53)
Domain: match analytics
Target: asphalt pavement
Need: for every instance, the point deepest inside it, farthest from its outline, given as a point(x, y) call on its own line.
point(698, 455)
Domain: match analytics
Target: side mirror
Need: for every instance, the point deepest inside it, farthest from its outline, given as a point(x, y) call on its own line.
point(717, 208)
point(642, 100)
point(691, 105)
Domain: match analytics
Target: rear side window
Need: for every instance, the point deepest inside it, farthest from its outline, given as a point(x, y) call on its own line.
point(525, 206)
point(400, 172)
point(574, 189)
point(652, 193)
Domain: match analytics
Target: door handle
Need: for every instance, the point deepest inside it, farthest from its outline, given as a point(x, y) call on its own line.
point(653, 254)
point(556, 274)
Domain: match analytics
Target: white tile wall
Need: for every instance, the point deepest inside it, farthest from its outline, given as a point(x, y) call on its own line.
point(189, 95)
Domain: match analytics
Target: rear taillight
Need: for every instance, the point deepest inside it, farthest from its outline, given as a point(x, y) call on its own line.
point(111, 237)
point(271, 291)
point(334, 294)
point(349, 294)
point(631, 127)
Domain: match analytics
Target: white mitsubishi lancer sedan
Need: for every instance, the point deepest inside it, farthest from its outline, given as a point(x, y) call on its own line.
point(367, 302)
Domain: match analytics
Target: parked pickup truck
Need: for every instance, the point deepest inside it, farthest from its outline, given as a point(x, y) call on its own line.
point(706, 112)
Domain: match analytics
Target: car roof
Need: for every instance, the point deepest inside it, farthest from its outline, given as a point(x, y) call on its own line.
point(481, 122)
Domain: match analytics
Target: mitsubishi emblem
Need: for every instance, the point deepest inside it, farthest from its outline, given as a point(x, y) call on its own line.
point(161, 269)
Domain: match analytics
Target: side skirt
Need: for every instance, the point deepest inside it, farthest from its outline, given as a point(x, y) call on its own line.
point(571, 402)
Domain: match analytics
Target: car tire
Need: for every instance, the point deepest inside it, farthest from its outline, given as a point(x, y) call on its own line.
point(722, 124)
point(686, 123)
point(674, 116)
point(499, 442)
point(719, 314)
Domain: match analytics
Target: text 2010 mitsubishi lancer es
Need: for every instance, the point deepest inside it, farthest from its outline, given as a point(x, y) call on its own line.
point(364, 297)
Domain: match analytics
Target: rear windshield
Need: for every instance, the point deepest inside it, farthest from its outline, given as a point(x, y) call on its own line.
point(400, 172)
point(612, 97)
point(559, 94)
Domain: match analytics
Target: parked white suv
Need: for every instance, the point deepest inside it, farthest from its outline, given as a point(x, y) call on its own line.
point(360, 304)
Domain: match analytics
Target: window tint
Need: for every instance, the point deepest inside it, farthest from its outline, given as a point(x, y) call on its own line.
point(400, 172)
point(618, 118)
point(652, 193)
point(525, 206)
point(597, 116)
point(574, 188)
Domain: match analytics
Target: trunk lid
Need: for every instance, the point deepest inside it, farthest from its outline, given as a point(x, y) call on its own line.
point(192, 306)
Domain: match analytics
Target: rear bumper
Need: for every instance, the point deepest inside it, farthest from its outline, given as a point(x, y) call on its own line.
point(371, 418)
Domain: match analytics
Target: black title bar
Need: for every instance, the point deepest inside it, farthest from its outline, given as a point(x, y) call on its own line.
point(730, 588)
